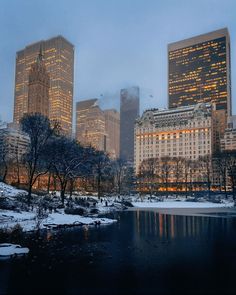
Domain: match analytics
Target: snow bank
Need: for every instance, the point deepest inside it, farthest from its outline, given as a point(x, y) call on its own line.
point(180, 204)
point(8, 219)
point(12, 249)
point(66, 219)
point(9, 191)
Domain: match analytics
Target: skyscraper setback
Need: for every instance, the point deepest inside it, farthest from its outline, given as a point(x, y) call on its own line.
point(199, 71)
point(58, 56)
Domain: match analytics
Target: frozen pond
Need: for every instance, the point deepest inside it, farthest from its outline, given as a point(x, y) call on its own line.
point(145, 252)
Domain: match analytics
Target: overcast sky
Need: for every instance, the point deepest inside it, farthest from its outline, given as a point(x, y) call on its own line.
point(118, 43)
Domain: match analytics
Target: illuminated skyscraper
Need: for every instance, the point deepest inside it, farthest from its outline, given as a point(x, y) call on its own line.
point(112, 127)
point(90, 124)
point(199, 71)
point(38, 88)
point(59, 63)
point(129, 111)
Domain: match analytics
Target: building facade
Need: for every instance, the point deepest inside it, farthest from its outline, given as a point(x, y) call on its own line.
point(59, 63)
point(228, 142)
point(199, 71)
point(13, 143)
point(38, 88)
point(90, 124)
point(129, 111)
point(184, 132)
point(112, 127)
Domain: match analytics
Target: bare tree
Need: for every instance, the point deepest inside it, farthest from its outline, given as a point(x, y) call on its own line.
point(166, 169)
point(178, 167)
point(4, 161)
point(119, 167)
point(231, 171)
point(148, 172)
point(220, 168)
point(39, 130)
point(100, 162)
point(67, 160)
point(205, 163)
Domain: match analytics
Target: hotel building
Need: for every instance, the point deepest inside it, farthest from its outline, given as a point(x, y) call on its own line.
point(184, 132)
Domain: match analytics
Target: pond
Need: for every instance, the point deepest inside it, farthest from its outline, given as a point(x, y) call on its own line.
point(145, 252)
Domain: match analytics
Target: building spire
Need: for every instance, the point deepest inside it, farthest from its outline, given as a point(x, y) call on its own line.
point(40, 55)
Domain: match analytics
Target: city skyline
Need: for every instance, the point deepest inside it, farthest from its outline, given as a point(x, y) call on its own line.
point(98, 47)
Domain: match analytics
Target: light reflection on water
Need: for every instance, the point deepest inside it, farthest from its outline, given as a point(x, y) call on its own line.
point(170, 226)
point(143, 252)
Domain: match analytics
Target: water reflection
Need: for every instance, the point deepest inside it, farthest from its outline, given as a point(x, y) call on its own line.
point(143, 252)
point(167, 226)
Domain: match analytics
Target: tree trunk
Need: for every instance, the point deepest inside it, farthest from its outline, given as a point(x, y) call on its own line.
point(49, 182)
point(99, 186)
point(18, 172)
point(71, 187)
point(29, 192)
point(5, 173)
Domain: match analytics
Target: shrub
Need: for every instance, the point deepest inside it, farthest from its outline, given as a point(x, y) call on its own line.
point(75, 211)
point(16, 233)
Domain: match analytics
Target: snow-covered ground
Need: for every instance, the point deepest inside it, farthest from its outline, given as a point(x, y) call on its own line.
point(12, 249)
point(180, 204)
point(9, 191)
point(90, 205)
point(8, 219)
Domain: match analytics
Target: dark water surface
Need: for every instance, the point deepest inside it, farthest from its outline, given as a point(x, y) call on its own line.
point(145, 252)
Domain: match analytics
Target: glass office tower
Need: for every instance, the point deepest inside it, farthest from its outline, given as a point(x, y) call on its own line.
point(199, 71)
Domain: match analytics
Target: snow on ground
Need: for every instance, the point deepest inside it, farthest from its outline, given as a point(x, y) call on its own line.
point(67, 219)
point(8, 219)
point(181, 204)
point(12, 249)
point(9, 191)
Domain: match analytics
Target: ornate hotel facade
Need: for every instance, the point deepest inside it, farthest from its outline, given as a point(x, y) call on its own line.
point(183, 132)
point(174, 137)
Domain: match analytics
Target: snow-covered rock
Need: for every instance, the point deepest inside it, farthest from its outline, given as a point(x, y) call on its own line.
point(12, 249)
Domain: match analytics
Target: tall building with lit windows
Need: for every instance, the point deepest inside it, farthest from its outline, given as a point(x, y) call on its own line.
point(90, 124)
point(38, 88)
point(199, 71)
point(58, 56)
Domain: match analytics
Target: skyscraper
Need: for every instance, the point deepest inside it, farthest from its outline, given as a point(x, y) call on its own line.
point(59, 62)
point(38, 88)
point(129, 111)
point(199, 71)
point(90, 124)
point(112, 127)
